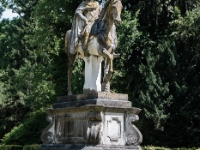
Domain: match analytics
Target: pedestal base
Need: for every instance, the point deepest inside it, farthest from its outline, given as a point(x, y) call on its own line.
point(86, 147)
point(101, 121)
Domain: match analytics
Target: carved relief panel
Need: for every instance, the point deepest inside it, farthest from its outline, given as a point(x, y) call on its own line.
point(82, 127)
point(114, 129)
point(71, 128)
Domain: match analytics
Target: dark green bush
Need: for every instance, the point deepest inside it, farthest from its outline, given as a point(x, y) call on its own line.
point(28, 132)
point(154, 148)
point(164, 148)
point(31, 147)
point(11, 147)
point(185, 149)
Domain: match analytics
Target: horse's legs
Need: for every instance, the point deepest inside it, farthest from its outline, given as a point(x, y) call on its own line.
point(71, 58)
point(67, 37)
point(111, 65)
point(108, 69)
point(106, 80)
point(106, 66)
point(107, 75)
point(110, 59)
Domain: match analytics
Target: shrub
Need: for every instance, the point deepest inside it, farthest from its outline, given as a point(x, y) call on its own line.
point(154, 148)
point(28, 132)
point(31, 147)
point(11, 147)
point(164, 148)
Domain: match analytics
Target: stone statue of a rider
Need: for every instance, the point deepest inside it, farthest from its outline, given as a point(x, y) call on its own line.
point(93, 38)
point(85, 16)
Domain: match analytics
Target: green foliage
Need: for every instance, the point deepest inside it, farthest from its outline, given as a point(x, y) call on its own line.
point(159, 68)
point(27, 132)
point(185, 107)
point(26, 78)
point(141, 57)
point(164, 148)
point(18, 147)
point(11, 147)
point(154, 148)
point(13, 51)
point(1, 10)
point(31, 147)
point(50, 30)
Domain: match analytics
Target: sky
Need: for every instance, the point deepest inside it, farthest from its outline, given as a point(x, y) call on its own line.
point(8, 14)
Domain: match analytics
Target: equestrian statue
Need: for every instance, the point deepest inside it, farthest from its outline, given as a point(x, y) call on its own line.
point(93, 33)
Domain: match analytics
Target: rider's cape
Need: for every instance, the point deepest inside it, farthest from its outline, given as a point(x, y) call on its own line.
point(77, 27)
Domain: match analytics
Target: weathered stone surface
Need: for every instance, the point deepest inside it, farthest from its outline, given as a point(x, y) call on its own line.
point(93, 108)
point(79, 103)
point(93, 98)
point(93, 120)
point(105, 127)
point(93, 38)
point(88, 94)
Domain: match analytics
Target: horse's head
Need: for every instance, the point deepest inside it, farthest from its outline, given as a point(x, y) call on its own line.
point(115, 11)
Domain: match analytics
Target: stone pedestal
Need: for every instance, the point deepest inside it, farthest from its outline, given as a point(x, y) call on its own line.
point(92, 121)
point(92, 73)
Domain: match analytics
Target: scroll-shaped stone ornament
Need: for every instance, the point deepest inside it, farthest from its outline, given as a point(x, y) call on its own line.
point(47, 135)
point(133, 135)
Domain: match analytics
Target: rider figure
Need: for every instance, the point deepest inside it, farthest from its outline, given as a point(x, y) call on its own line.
point(85, 15)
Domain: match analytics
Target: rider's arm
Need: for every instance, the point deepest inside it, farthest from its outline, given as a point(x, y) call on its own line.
point(80, 14)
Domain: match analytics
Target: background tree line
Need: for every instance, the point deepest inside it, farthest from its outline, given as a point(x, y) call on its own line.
point(159, 67)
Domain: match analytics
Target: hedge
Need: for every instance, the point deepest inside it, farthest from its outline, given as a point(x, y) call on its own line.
point(31, 147)
point(18, 147)
point(11, 147)
point(28, 132)
point(164, 148)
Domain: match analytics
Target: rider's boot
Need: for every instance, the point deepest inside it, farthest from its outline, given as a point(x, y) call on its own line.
point(116, 55)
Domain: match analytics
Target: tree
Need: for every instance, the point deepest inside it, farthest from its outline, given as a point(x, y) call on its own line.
point(29, 131)
point(31, 74)
point(185, 114)
point(26, 82)
point(153, 69)
point(51, 26)
point(11, 58)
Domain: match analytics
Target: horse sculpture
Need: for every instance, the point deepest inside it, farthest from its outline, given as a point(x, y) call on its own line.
point(102, 41)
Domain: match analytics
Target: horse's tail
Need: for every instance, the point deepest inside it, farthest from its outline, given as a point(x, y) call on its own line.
point(67, 37)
